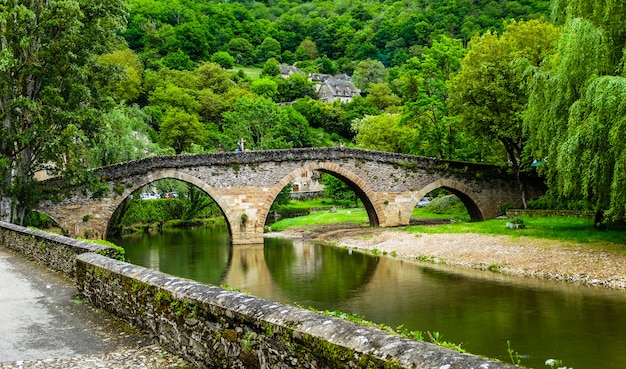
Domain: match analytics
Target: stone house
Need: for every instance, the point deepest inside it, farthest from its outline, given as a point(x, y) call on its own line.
point(287, 70)
point(334, 89)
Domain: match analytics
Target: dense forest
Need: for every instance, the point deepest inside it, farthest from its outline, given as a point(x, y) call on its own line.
point(533, 85)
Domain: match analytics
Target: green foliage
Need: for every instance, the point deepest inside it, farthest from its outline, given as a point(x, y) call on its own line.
point(381, 132)
point(224, 59)
point(241, 50)
point(448, 206)
point(269, 48)
point(368, 72)
point(515, 358)
point(422, 83)
point(576, 108)
point(197, 204)
point(47, 62)
point(124, 136)
point(336, 189)
point(283, 198)
point(126, 86)
point(270, 68)
point(265, 87)
point(382, 97)
point(178, 60)
point(489, 91)
point(264, 125)
point(37, 220)
point(180, 130)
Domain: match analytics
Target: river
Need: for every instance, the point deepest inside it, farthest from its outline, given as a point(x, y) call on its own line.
point(583, 326)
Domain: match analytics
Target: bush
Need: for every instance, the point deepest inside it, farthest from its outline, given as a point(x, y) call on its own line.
point(223, 59)
point(38, 220)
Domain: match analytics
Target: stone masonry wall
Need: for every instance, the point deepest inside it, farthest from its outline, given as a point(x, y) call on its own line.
point(55, 251)
point(244, 185)
point(216, 328)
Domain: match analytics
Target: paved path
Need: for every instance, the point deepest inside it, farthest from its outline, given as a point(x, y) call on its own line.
point(44, 325)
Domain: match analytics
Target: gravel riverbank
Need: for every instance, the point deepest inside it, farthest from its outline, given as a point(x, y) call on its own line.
point(523, 256)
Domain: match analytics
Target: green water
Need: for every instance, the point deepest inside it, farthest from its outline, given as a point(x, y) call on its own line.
point(583, 326)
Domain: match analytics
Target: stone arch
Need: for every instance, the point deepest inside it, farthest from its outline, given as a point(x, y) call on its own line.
point(171, 174)
point(470, 199)
point(51, 216)
point(357, 184)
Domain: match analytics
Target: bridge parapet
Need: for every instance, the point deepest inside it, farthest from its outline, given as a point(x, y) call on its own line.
point(410, 162)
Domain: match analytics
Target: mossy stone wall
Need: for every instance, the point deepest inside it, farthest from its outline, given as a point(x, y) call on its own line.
point(216, 328)
point(55, 251)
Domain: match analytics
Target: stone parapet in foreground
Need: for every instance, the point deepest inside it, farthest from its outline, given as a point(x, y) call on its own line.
point(55, 251)
point(216, 328)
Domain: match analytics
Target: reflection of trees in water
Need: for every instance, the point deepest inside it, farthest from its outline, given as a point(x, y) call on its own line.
point(313, 273)
point(202, 254)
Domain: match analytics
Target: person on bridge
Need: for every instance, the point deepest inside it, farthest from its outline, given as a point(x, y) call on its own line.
point(240, 147)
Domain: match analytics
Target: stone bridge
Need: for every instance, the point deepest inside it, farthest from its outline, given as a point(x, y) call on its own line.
point(245, 184)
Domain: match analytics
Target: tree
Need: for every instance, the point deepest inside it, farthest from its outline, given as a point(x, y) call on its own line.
point(212, 75)
point(380, 132)
point(576, 115)
point(295, 87)
point(270, 68)
point(269, 48)
point(223, 59)
point(180, 130)
point(368, 72)
point(127, 86)
point(382, 97)
point(489, 93)
point(326, 65)
point(242, 50)
point(424, 90)
point(178, 60)
point(253, 120)
point(307, 50)
point(48, 101)
point(265, 87)
point(336, 189)
point(122, 137)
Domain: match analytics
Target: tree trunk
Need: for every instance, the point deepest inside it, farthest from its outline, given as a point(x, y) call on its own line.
point(598, 220)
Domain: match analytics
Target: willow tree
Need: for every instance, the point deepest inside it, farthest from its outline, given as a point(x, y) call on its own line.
point(577, 108)
point(48, 98)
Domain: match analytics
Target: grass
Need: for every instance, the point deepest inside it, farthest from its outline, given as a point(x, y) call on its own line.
point(565, 229)
point(356, 216)
point(252, 72)
point(580, 230)
point(321, 203)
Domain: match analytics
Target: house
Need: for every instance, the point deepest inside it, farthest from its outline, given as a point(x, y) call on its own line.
point(343, 77)
point(319, 77)
point(337, 90)
point(287, 70)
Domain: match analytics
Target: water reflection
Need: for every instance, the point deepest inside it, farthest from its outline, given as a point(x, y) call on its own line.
point(580, 325)
point(319, 276)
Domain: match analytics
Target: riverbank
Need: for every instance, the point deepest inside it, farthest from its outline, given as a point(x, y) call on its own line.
point(522, 256)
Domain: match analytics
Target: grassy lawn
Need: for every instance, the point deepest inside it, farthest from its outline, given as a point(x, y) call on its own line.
point(354, 215)
point(252, 72)
point(580, 230)
point(567, 229)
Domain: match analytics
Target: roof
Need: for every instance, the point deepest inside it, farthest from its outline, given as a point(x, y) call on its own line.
point(289, 69)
